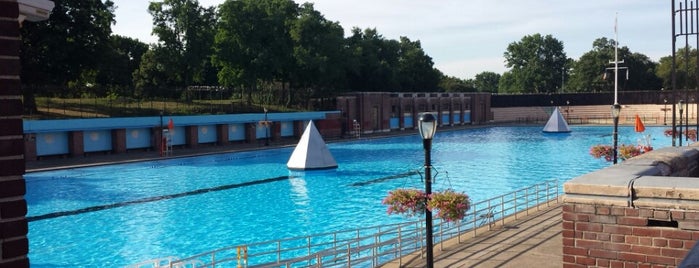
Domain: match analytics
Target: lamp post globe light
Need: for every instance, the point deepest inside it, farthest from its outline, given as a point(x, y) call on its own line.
point(680, 106)
point(427, 128)
point(616, 110)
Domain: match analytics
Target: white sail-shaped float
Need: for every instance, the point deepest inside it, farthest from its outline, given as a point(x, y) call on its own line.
point(311, 152)
point(557, 123)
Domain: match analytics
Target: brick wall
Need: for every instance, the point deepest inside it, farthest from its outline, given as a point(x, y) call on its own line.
point(611, 236)
point(643, 212)
point(14, 245)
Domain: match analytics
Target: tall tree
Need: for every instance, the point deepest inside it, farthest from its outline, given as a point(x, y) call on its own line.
point(319, 54)
point(186, 30)
point(454, 84)
point(685, 73)
point(373, 61)
point(155, 76)
point(252, 43)
point(536, 64)
point(593, 71)
point(487, 82)
point(416, 70)
point(123, 57)
point(65, 48)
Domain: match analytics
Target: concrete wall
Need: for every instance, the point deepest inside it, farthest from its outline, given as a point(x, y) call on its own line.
point(383, 111)
point(14, 245)
point(83, 137)
point(643, 212)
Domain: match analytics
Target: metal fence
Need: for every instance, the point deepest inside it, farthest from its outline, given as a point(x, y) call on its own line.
point(371, 246)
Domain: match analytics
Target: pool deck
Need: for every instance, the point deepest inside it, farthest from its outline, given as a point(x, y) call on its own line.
point(532, 240)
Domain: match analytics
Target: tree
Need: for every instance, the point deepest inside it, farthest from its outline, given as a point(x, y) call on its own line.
point(594, 73)
point(537, 64)
point(416, 70)
point(252, 42)
point(487, 82)
point(319, 55)
point(186, 31)
point(685, 77)
point(454, 84)
point(66, 49)
point(373, 61)
point(154, 76)
point(123, 57)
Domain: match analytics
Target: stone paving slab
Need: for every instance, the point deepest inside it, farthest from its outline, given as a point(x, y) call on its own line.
point(531, 241)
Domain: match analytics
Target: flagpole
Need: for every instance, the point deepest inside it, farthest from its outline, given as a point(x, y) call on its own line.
point(616, 61)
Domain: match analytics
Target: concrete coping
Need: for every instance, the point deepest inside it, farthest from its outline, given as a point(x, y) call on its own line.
point(664, 178)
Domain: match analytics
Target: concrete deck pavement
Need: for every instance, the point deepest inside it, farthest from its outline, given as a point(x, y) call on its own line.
point(530, 241)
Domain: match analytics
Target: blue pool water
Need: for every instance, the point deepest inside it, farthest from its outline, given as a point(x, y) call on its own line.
point(111, 216)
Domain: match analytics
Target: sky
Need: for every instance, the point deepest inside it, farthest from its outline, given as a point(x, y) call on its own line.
point(467, 37)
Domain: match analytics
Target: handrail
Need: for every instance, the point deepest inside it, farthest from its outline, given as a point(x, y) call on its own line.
point(373, 246)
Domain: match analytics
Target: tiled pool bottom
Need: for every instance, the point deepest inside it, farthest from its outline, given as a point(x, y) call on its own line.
point(121, 214)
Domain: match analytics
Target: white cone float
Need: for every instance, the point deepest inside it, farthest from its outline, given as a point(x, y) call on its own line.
point(311, 152)
point(556, 123)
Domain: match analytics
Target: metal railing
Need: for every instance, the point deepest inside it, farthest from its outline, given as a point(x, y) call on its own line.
point(372, 246)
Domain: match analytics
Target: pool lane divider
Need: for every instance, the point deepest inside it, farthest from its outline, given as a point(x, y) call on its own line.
point(152, 199)
point(195, 192)
point(392, 177)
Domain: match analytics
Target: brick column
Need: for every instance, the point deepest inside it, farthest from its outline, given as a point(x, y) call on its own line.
point(30, 147)
point(299, 128)
point(119, 140)
point(76, 143)
point(276, 131)
point(250, 132)
point(14, 244)
point(191, 136)
point(222, 134)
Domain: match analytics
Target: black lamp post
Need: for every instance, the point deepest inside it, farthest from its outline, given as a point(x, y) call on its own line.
point(665, 115)
point(266, 128)
point(616, 110)
point(680, 106)
point(427, 127)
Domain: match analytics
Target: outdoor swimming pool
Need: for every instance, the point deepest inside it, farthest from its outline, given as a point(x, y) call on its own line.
point(116, 215)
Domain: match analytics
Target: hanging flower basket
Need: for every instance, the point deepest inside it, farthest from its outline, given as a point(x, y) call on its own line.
point(449, 205)
point(689, 133)
point(602, 151)
point(624, 151)
point(406, 201)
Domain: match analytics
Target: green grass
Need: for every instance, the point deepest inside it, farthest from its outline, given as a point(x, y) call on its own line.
point(61, 108)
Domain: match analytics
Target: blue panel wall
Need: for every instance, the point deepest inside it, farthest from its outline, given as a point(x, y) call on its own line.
point(287, 129)
point(52, 143)
point(178, 136)
point(408, 122)
point(236, 132)
point(457, 117)
point(97, 140)
point(207, 134)
point(445, 118)
point(394, 123)
point(52, 135)
point(261, 131)
point(467, 117)
point(138, 138)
